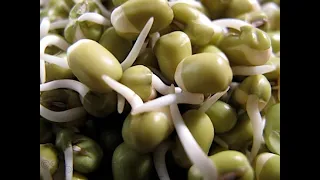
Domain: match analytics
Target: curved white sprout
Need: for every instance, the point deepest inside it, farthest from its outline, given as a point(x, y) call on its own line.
point(210, 101)
point(154, 38)
point(133, 99)
point(159, 160)
point(132, 56)
point(94, 17)
point(121, 103)
point(252, 70)
point(230, 23)
point(103, 10)
point(178, 98)
point(62, 116)
point(194, 152)
point(44, 27)
point(68, 158)
point(66, 84)
point(59, 24)
point(161, 87)
point(56, 41)
point(256, 121)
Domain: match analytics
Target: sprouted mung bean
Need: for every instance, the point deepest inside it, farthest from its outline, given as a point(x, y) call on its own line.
point(144, 63)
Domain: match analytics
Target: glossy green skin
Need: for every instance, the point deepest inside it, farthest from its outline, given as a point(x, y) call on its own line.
point(145, 131)
point(201, 129)
point(50, 157)
point(211, 49)
point(170, 50)
point(228, 163)
point(239, 46)
point(253, 85)
point(273, 75)
point(138, 12)
point(195, 25)
point(256, 17)
point(90, 156)
point(274, 19)
point(272, 129)
point(128, 164)
point(139, 79)
point(45, 131)
point(89, 61)
point(147, 58)
point(78, 176)
point(61, 100)
point(90, 30)
point(240, 135)
point(55, 72)
point(100, 105)
point(238, 7)
point(216, 8)
point(270, 169)
point(222, 116)
point(204, 73)
point(217, 38)
point(118, 2)
point(117, 45)
point(275, 40)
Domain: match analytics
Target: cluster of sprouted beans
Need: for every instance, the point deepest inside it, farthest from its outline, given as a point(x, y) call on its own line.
point(157, 89)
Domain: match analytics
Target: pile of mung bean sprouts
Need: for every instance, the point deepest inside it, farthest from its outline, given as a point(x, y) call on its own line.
point(160, 89)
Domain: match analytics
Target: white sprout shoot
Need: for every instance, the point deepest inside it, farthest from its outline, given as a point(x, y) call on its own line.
point(56, 41)
point(62, 116)
point(103, 10)
point(132, 56)
point(159, 86)
point(66, 84)
point(153, 94)
point(252, 70)
point(121, 103)
point(44, 27)
point(213, 99)
point(144, 46)
point(78, 34)
point(76, 148)
point(193, 3)
point(94, 17)
point(220, 142)
point(232, 86)
point(44, 170)
point(159, 160)
point(133, 99)
point(154, 38)
point(191, 147)
point(160, 75)
point(42, 71)
point(256, 121)
point(68, 159)
point(178, 98)
point(59, 24)
point(230, 23)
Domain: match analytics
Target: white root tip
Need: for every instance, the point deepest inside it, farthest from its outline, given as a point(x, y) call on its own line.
point(256, 121)
point(191, 147)
point(132, 56)
point(68, 158)
point(133, 99)
point(179, 98)
point(66, 84)
point(252, 70)
point(230, 23)
point(159, 160)
point(62, 116)
point(121, 103)
point(161, 87)
point(44, 27)
point(213, 99)
point(154, 38)
point(60, 24)
point(94, 17)
point(55, 60)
